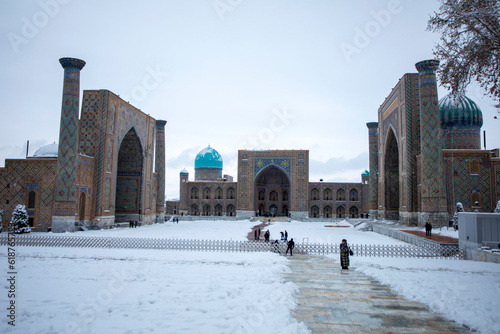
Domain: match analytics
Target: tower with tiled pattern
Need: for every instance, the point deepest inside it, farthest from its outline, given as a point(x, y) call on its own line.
point(160, 170)
point(373, 160)
point(65, 194)
point(432, 187)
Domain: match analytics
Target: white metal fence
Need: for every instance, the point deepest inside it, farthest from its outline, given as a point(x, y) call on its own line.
point(449, 252)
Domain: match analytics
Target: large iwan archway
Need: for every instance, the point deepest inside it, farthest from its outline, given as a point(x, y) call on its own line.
point(129, 178)
point(391, 168)
point(272, 189)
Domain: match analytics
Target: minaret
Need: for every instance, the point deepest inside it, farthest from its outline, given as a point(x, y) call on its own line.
point(160, 170)
point(432, 187)
point(373, 181)
point(66, 194)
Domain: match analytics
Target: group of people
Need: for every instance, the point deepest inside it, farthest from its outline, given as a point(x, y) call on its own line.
point(132, 223)
point(175, 220)
point(290, 246)
point(267, 235)
point(428, 229)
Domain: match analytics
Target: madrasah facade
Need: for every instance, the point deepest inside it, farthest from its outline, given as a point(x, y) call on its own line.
point(109, 167)
point(424, 156)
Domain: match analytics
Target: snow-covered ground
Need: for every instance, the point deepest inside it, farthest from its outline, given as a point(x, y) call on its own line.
point(72, 290)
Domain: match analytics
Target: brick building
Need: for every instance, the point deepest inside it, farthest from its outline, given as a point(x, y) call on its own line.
point(425, 154)
point(272, 182)
point(100, 173)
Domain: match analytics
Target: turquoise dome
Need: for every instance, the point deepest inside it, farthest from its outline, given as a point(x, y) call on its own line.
point(367, 173)
point(184, 172)
point(459, 113)
point(208, 158)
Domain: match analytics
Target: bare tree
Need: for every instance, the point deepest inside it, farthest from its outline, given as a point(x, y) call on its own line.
point(470, 44)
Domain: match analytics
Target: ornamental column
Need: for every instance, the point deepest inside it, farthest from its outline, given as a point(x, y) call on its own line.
point(160, 170)
point(373, 180)
point(433, 192)
point(66, 194)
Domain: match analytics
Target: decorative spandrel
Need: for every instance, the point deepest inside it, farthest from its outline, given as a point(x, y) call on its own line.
point(285, 164)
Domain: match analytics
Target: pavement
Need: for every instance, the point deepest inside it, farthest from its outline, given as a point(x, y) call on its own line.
point(332, 300)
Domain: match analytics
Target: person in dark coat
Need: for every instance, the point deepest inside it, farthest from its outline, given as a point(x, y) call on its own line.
point(344, 254)
point(277, 247)
point(290, 247)
point(267, 235)
point(286, 235)
point(255, 234)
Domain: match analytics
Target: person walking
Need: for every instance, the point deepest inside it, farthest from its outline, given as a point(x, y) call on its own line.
point(286, 235)
point(345, 251)
point(290, 247)
point(255, 234)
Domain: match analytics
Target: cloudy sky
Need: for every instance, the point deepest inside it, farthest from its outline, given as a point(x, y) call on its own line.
point(235, 74)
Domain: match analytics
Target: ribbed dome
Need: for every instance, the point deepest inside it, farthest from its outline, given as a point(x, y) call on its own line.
point(459, 113)
point(47, 151)
point(208, 157)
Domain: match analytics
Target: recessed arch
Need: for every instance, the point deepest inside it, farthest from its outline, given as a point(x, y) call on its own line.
point(391, 171)
point(327, 211)
point(340, 211)
point(314, 194)
point(314, 211)
point(271, 189)
point(129, 175)
point(81, 206)
point(194, 210)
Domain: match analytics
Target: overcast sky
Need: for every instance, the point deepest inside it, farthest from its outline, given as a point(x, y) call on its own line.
point(235, 74)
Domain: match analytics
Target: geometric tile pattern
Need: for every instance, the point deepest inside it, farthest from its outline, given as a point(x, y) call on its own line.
point(432, 172)
point(283, 164)
point(65, 190)
point(20, 176)
point(373, 160)
point(293, 163)
point(462, 183)
point(160, 165)
point(127, 192)
point(412, 139)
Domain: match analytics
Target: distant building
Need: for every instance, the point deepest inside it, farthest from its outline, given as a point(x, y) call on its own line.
point(273, 182)
point(425, 154)
point(100, 173)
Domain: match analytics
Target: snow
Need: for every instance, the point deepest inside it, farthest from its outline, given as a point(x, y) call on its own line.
point(467, 292)
point(73, 290)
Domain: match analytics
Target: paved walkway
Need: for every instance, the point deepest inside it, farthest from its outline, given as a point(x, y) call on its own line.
point(332, 300)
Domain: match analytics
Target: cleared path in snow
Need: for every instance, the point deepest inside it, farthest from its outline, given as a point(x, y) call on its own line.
point(332, 300)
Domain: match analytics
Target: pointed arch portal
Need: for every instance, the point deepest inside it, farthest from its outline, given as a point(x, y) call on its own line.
point(274, 185)
point(129, 175)
point(392, 177)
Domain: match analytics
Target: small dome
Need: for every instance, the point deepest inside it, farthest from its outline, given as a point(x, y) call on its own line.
point(47, 151)
point(184, 172)
point(208, 157)
point(459, 112)
point(366, 173)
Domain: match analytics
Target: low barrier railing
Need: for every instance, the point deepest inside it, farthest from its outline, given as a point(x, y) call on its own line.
point(410, 251)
